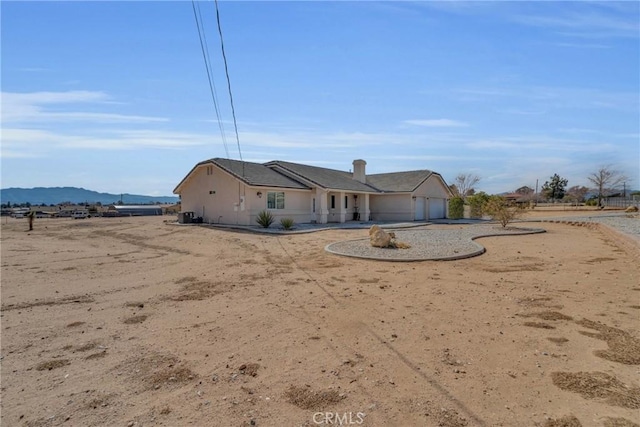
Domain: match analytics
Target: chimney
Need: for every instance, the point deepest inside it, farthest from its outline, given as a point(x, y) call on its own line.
point(359, 170)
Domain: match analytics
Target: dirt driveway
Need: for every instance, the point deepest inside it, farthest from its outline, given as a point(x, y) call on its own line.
point(134, 321)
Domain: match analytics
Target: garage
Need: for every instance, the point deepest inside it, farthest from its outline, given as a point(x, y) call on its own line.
point(437, 208)
point(419, 215)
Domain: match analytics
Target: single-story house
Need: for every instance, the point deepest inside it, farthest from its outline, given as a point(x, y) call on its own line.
point(225, 191)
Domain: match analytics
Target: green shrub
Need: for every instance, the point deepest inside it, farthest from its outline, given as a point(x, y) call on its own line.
point(591, 202)
point(287, 223)
point(476, 203)
point(499, 210)
point(456, 208)
point(265, 219)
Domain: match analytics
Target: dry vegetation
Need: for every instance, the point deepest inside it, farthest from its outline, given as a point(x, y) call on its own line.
point(134, 321)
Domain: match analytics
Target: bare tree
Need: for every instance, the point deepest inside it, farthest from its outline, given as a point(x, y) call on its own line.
point(576, 194)
point(606, 180)
point(465, 183)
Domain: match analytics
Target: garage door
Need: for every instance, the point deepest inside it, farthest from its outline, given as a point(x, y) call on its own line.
point(437, 208)
point(419, 216)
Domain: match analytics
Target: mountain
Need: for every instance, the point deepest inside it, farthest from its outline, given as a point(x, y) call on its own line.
point(55, 195)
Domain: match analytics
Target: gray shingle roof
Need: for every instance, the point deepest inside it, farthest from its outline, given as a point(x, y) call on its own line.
point(323, 177)
point(256, 174)
point(289, 175)
point(398, 181)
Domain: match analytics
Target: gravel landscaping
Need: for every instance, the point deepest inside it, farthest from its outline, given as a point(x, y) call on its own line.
point(427, 244)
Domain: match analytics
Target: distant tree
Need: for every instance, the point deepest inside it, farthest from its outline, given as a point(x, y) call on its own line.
point(499, 210)
point(554, 189)
point(525, 191)
point(464, 184)
point(576, 193)
point(606, 180)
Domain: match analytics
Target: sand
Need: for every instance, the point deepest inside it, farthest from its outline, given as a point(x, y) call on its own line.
point(140, 322)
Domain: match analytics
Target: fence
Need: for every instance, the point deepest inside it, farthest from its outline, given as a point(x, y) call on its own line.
point(621, 202)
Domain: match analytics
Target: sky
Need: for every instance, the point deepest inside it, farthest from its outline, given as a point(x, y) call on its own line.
point(114, 96)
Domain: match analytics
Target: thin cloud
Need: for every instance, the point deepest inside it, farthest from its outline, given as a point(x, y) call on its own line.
point(439, 123)
point(549, 97)
point(586, 20)
point(33, 108)
point(32, 143)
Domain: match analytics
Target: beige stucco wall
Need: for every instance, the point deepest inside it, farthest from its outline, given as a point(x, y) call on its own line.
point(401, 207)
point(391, 207)
point(236, 203)
point(223, 206)
point(233, 202)
point(435, 192)
point(297, 205)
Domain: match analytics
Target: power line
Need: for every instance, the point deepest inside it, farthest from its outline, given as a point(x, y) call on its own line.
point(226, 70)
point(207, 62)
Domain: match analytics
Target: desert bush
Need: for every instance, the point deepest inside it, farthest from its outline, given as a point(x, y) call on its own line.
point(499, 210)
point(476, 203)
point(287, 223)
point(456, 208)
point(265, 219)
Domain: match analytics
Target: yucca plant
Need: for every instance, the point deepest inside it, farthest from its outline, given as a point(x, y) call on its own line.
point(287, 223)
point(265, 219)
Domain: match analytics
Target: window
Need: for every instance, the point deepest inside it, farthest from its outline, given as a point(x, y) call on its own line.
point(345, 201)
point(333, 202)
point(275, 200)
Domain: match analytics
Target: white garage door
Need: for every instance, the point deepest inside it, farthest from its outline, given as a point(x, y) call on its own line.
point(437, 208)
point(419, 216)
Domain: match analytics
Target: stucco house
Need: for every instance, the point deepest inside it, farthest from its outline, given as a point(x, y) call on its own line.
point(224, 191)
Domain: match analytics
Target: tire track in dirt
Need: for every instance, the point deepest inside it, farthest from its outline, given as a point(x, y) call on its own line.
point(434, 383)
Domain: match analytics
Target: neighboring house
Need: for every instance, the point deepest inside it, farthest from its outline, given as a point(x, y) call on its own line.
point(136, 210)
point(234, 192)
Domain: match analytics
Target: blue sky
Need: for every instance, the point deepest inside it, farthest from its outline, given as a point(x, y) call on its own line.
point(113, 96)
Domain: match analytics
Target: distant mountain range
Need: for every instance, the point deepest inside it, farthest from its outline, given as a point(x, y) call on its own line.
point(56, 195)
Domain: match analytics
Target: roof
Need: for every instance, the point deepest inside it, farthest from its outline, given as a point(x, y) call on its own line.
point(254, 174)
point(323, 177)
point(398, 181)
point(283, 174)
point(135, 207)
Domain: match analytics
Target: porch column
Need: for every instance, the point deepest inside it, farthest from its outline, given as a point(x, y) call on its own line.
point(321, 207)
point(343, 210)
point(365, 213)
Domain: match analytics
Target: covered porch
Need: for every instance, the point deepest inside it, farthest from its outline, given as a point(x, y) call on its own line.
point(333, 206)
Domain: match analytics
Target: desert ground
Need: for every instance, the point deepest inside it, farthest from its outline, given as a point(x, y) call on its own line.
point(143, 322)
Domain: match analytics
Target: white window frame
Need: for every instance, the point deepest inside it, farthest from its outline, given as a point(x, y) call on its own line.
point(275, 200)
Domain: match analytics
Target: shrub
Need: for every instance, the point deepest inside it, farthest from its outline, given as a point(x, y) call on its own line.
point(476, 203)
point(591, 202)
point(456, 208)
point(265, 219)
point(498, 210)
point(287, 223)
